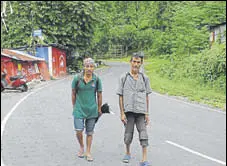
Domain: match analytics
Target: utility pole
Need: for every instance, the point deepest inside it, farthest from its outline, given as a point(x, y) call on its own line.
point(32, 35)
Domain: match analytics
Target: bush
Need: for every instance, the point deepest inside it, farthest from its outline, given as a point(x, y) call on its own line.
point(208, 67)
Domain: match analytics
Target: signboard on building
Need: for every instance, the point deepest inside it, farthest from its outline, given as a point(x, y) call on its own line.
point(37, 32)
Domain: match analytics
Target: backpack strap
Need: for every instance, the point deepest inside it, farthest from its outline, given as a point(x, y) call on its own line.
point(143, 78)
point(125, 79)
point(127, 74)
point(78, 81)
point(97, 84)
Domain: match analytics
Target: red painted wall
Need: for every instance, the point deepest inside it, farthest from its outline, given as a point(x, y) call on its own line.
point(8, 66)
point(43, 68)
point(58, 62)
point(27, 69)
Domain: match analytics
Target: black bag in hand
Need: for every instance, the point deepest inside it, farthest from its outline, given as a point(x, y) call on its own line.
point(104, 109)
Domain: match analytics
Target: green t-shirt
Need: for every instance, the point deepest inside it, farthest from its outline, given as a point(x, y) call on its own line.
point(86, 105)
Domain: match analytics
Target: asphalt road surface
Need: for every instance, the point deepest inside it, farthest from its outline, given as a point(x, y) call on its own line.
point(37, 129)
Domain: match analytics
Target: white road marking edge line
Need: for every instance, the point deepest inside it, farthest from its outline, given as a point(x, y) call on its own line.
point(196, 153)
point(5, 119)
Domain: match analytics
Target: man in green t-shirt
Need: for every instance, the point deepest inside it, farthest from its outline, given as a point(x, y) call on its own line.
point(85, 86)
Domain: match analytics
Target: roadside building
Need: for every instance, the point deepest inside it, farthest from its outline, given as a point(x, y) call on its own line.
point(15, 62)
point(55, 57)
point(218, 33)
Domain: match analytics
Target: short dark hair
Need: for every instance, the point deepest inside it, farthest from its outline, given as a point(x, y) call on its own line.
point(138, 55)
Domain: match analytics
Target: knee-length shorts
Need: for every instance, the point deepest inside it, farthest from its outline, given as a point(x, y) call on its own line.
point(88, 124)
point(138, 120)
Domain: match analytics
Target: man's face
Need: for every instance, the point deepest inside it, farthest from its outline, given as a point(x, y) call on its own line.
point(136, 62)
point(89, 68)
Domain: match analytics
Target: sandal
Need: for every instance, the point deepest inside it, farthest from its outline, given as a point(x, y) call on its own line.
point(89, 158)
point(145, 163)
point(126, 158)
point(80, 154)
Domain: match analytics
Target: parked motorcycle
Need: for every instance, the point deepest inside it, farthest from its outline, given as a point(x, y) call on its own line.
point(17, 83)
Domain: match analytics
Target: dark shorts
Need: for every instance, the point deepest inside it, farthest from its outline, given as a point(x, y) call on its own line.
point(139, 121)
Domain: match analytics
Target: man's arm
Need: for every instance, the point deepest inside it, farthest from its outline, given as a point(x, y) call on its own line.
point(73, 96)
point(121, 104)
point(123, 117)
point(147, 99)
point(99, 102)
point(147, 111)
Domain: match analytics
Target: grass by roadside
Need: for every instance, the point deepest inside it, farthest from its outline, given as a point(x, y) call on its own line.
point(125, 59)
point(189, 89)
point(101, 66)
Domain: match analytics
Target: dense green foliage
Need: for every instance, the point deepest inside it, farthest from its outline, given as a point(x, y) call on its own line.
point(206, 68)
point(158, 27)
point(67, 23)
point(187, 88)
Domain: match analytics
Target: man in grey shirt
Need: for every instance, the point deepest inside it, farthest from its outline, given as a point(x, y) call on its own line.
point(133, 91)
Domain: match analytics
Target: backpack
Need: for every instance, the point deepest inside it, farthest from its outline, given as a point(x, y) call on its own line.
point(127, 74)
point(78, 81)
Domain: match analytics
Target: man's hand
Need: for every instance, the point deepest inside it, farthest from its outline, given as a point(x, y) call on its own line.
point(123, 119)
point(99, 112)
point(147, 120)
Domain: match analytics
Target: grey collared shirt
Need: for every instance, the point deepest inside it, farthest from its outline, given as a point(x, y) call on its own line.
point(134, 93)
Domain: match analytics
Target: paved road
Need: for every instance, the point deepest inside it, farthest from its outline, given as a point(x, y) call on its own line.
point(39, 131)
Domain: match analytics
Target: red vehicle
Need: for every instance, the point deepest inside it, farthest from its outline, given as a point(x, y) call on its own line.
point(14, 83)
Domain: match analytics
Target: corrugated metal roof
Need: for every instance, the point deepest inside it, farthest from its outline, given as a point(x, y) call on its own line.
point(19, 55)
point(9, 56)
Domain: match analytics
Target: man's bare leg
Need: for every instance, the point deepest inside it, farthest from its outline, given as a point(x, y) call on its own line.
point(144, 153)
point(88, 149)
point(128, 149)
point(79, 135)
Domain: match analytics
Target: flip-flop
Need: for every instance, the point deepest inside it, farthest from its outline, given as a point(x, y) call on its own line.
point(89, 158)
point(145, 163)
point(80, 154)
point(126, 158)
